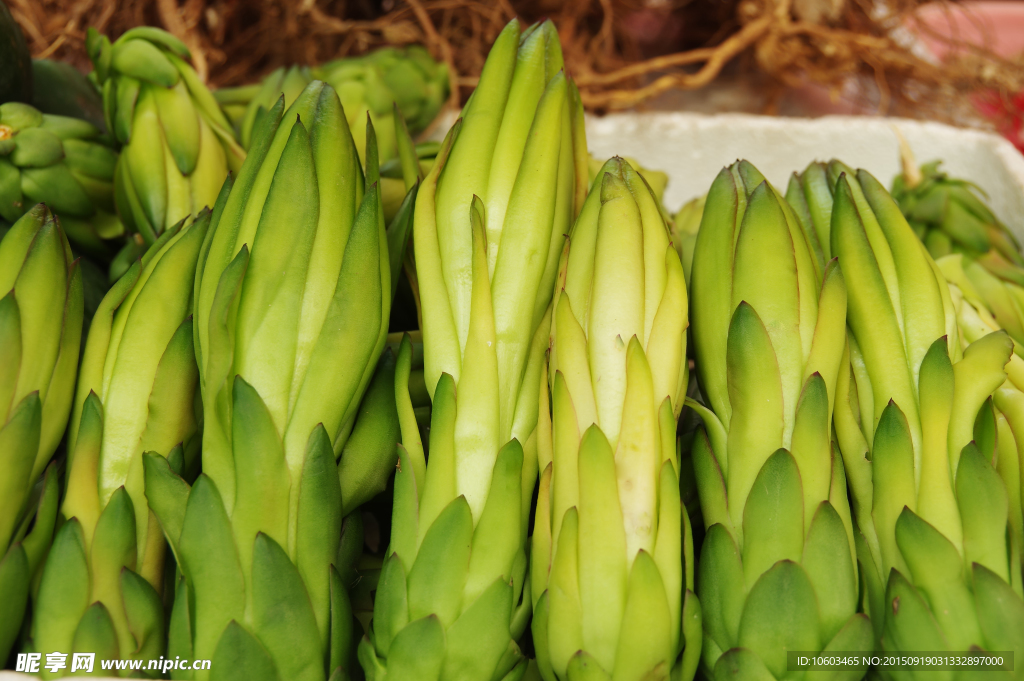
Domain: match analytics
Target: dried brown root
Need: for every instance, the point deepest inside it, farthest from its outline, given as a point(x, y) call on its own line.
point(791, 42)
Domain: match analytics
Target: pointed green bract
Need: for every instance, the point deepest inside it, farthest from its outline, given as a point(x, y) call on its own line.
point(755, 393)
point(475, 643)
point(14, 588)
point(64, 593)
point(317, 541)
point(19, 441)
point(602, 548)
point(95, 633)
point(239, 655)
point(214, 571)
point(370, 453)
point(711, 318)
point(497, 538)
point(834, 581)
point(438, 574)
point(779, 615)
point(282, 615)
point(1000, 613)
point(145, 614)
point(391, 607)
point(417, 650)
point(773, 524)
point(983, 511)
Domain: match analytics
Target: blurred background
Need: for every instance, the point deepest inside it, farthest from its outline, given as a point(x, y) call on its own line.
point(949, 61)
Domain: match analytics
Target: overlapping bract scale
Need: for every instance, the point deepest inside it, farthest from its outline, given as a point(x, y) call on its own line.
point(778, 569)
point(292, 294)
point(177, 145)
point(40, 336)
point(919, 373)
point(612, 551)
point(489, 226)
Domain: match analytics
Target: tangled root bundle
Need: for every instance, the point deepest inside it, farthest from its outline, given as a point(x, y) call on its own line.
point(621, 52)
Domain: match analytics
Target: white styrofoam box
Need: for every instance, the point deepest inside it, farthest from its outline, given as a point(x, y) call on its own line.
point(693, 148)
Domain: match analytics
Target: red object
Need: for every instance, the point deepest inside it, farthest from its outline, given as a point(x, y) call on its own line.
point(1007, 114)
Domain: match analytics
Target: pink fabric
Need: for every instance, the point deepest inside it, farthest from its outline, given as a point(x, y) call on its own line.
point(999, 26)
